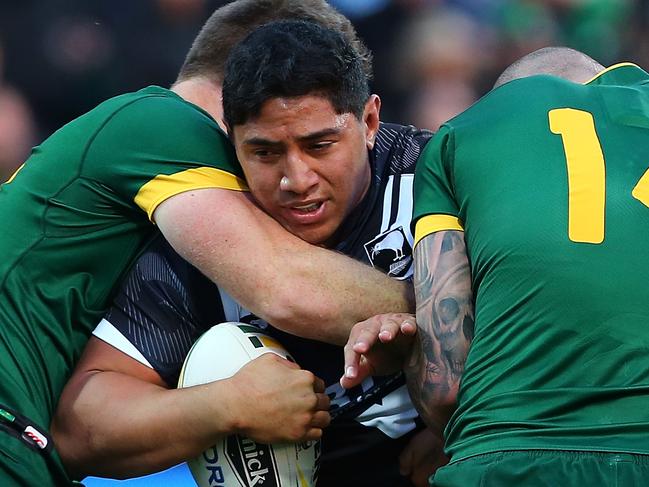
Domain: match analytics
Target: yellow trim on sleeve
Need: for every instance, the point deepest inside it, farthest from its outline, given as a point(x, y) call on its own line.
point(164, 186)
point(11, 178)
point(610, 68)
point(435, 223)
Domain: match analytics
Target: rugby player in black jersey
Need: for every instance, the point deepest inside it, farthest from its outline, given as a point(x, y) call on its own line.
point(317, 159)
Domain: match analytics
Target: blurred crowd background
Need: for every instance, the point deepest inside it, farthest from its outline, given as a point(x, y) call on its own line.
point(432, 58)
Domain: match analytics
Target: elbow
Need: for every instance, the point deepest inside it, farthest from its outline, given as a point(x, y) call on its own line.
point(305, 318)
point(434, 400)
point(436, 411)
point(70, 447)
point(286, 312)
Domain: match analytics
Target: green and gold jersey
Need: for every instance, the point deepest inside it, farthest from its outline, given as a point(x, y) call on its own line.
point(549, 181)
point(75, 217)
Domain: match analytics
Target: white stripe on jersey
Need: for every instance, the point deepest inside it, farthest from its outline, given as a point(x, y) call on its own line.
point(404, 207)
point(405, 204)
point(387, 204)
point(106, 332)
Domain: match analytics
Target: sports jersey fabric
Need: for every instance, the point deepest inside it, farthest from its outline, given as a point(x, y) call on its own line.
point(165, 304)
point(548, 180)
point(544, 468)
point(75, 218)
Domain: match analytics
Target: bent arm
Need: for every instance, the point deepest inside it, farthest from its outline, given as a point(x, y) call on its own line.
point(300, 288)
point(445, 321)
point(117, 418)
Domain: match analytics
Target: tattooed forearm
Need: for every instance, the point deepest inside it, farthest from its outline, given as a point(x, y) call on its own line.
point(445, 320)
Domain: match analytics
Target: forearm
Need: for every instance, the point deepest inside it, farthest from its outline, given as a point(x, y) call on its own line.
point(116, 417)
point(324, 306)
point(434, 407)
point(445, 321)
point(119, 426)
point(301, 288)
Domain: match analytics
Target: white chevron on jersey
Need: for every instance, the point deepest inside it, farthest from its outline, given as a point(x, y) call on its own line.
point(395, 416)
point(106, 332)
point(395, 236)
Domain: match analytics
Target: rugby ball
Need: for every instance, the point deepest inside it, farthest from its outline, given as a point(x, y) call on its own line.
point(238, 461)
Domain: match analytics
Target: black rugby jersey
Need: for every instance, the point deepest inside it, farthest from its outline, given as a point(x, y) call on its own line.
point(165, 304)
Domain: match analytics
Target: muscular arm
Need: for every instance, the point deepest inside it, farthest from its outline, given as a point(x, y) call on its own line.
point(300, 288)
point(117, 418)
point(112, 408)
point(445, 320)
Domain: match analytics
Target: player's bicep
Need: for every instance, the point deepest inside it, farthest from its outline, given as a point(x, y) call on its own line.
point(100, 356)
point(230, 240)
point(192, 220)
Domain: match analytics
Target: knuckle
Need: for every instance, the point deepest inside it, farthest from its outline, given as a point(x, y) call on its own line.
point(309, 376)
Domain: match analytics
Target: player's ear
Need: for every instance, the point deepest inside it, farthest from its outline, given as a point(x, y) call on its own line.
point(371, 119)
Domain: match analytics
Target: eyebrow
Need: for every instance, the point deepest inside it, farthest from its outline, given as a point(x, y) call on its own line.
point(260, 141)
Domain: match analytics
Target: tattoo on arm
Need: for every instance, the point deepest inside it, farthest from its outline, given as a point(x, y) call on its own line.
point(445, 320)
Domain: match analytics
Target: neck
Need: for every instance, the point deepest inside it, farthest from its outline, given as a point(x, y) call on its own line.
point(204, 93)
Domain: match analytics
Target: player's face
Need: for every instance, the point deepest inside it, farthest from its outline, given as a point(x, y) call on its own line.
point(306, 165)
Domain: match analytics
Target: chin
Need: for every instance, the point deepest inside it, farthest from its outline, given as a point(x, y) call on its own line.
point(314, 238)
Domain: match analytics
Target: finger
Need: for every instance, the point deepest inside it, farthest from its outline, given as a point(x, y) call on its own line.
point(321, 419)
point(408, 327)
point(347, 382)
point(356, 374)
point(390, 328)
point(318, 384)
point(367, 337)
point(359, 374)
point(313, 434)
point(272, 356)
point(396, 324)
point(354, 332)
point(365, 370)
point(323, 403)
point(352, 359)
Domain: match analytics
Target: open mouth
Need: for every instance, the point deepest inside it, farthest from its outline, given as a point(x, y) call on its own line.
point(307, 208)
point(306, 213)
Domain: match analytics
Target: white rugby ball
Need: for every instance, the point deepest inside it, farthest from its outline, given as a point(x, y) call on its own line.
point(238, 461)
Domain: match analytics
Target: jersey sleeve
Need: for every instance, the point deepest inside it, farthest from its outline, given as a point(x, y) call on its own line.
point(435, 208)
point(158, 146)
point(161, 309)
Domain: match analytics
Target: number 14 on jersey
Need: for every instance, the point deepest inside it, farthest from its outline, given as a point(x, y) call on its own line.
point(586, 175)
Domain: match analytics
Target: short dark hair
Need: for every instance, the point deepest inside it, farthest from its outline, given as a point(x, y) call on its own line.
point(231, 23)
point(291, 58)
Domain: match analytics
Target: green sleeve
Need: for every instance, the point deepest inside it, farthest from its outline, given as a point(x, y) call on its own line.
point(434, 198)
point(158, 146)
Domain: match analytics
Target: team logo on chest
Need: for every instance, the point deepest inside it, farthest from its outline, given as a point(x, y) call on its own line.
point(391, 252)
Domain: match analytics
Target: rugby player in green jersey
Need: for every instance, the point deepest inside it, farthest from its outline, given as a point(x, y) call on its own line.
point(536, 198)
point(83, 207)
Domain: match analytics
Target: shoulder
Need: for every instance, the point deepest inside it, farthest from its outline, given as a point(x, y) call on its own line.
point(519, 96)
point(155, 110)
point(398, 147)
point(155, 131)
